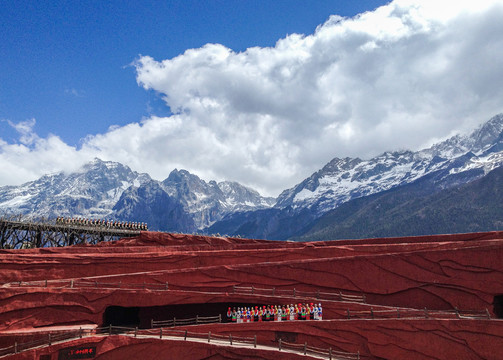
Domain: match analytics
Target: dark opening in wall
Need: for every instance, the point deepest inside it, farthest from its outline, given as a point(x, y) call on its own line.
point(142, 316)
point(498, 306)
point(121, 316)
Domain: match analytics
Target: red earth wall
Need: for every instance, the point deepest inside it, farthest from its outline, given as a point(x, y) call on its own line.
point(436, 272)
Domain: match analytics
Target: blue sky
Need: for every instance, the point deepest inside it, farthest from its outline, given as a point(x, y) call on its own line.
point(260, 92)
point(68, 63)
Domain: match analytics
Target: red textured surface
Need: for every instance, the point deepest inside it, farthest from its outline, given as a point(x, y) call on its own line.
point(388, 339)
point(374, 339)
point(436, 272)
point(125, 348)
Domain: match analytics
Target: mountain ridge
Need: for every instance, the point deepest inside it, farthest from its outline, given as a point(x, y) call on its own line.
point(452, 162)
point(106, 189)
point(471, 207)
point(185, 203)
point(344, 179)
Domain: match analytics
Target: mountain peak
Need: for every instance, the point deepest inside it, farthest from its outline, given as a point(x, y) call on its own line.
point(487, 133)
point(478, 141)
point(343, 179)
point(101, 165)
point(337, 164)
point(179, 176)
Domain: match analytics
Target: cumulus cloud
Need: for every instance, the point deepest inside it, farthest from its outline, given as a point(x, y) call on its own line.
point(400, 77)
point(32, 156)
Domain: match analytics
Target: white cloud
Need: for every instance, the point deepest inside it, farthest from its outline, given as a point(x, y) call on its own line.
point(396, 78)
point(32, 156)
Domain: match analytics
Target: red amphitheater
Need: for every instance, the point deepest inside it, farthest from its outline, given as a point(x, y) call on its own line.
point(166, 296)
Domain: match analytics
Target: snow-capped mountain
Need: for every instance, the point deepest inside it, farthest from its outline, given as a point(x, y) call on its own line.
point(149, 203)
point(210, 201)
point(90, 192)
point(184, 202)
point(202, 202)
point(105, 189)
point(459, 159)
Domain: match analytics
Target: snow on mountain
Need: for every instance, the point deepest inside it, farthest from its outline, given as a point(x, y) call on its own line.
point(239, 197)
point(105, 189)
point(210, 201)
point(184, 202)
point(90, 192)
point(344, 179)
point(149, 203)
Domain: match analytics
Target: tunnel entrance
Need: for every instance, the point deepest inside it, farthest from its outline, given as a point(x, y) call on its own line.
point(498, 306)
point(141, 316)
point(121, 316)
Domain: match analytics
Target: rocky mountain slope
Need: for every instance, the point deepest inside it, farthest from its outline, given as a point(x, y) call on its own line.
point(344, 179)
point(91, 192)
point(185, 203)
point(456, 161)
point(410, 210)
point(105, 189)
point(208, 201)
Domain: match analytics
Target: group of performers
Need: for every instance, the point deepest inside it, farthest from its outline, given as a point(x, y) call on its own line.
point(109, 224)
point(275, 313)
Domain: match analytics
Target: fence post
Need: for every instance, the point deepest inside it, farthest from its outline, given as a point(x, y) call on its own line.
point(197, 319)
point(364, 298)
point(174, 321)
point(185, 336)
point(71, 284)
point(254, 341)
point(160, 333)
point(318, 294)
point(397, 313)
point(305, 348)
point(425, 313)
point(151, 323)
point(109, 329)
point(457, 312)
point(253, 289)
point(488, 314)
point(143, 285)
point(330, 353)
point(45, 282)
point(50, 339)
point(349, 316)
point(372, 312)
point(233, 289)
point(219, 318)
point(15, 347)
point(358, 354)
point(167, 286)
point(135, 331)
point(95, 284)
point(120, 282)
point(279, 344)
point(293, 292)
point(80, 332)
point(273, 291)
point(340, 295)
point(209, 336)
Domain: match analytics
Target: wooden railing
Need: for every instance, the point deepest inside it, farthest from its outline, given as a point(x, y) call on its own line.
point(241, 290)
point(406, 313)
point(308, 350)
point(251, 290)
point(162, 333)
point(191, 321)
